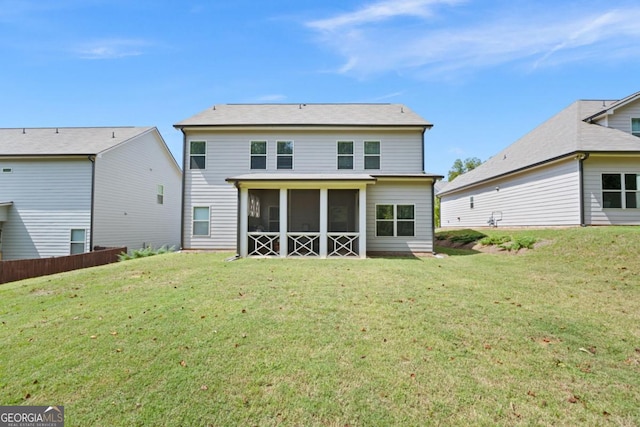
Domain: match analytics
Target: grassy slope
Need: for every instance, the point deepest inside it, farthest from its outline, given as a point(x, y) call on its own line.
point(547, 338)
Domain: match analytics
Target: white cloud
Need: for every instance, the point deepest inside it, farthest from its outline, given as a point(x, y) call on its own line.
point(111, 49)
point(380, 11)
point(441, 45)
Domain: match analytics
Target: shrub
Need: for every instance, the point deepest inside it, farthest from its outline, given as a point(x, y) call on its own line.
point(495, 240)
point(145, 252)
point(463, 236)
point(520, 242)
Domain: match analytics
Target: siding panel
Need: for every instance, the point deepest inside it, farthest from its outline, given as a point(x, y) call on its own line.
point(50, 197)
point(595, 214)
point(126, 210)
point(548, 196)
point(401, 193)
point(229, 154)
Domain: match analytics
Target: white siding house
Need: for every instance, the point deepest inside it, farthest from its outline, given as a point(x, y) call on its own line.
point(327, 179)
point(68, 190)
point(581, 167)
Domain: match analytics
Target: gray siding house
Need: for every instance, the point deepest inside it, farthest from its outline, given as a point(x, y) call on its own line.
point(316, 180)
point(67, 190)
point(581, 167)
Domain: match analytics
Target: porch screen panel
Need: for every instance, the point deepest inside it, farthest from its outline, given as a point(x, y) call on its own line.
point(304, 211)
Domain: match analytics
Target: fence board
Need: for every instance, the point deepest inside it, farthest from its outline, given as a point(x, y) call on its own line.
point(11, 271)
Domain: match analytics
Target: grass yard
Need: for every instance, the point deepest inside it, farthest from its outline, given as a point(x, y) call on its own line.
point(550, 337)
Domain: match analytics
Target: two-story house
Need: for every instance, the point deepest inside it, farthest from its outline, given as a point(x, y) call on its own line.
point(321, 180)
point(66, 190)
point(581, 167)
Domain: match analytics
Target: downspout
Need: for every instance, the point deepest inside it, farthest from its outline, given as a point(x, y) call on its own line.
point(92, 159)
point(238, 219)
point(184, 174)
point(581, 158)
point(433, 216)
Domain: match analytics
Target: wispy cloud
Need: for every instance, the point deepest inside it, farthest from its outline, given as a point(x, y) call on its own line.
point(380, 11)
point(111, 48)
point(373, 39)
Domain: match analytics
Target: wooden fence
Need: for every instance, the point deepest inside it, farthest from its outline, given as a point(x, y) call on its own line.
point(10, 271)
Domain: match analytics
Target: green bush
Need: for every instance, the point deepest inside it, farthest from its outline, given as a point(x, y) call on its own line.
point(495, 240)
point(463, 236)
point(520, 242)
point(145, 252)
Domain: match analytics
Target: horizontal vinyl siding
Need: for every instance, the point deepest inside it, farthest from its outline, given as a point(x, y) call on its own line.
point(418, 194)
point(547, 196)
point(595, 214)
point(50, 197)
point(126, 211)
point(229, 153)
point(222, 201)
point(621, 119)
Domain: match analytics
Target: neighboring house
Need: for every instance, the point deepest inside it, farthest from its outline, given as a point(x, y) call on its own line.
point(581, 167)
point(316, 180)
point(66, 190)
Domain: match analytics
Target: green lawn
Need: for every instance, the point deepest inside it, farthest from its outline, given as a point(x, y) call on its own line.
point(549, 337)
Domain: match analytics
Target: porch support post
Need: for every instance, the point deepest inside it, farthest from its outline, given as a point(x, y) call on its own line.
point(244, 221)
point(284, 206)
point(324, 222)
point(362, 222)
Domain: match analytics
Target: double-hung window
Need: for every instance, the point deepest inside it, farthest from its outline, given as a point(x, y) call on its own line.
point(621, 190)
point(372, 154)
point(197, 155)
point(345, 154)
point(635, 127)
point(258, 154)
point(78, 241)
point(201, 221)
point(160, 195)
point(395, 220)
point(284, 155)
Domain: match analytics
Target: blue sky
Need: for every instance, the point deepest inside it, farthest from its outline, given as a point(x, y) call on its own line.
point(483, 72)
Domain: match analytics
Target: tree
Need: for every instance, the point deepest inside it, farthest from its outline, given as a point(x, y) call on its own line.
point(459, 167)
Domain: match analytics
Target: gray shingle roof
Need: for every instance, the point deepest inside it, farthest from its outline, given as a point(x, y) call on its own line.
point(306, 115)
point(64, 141)
point(563, 134)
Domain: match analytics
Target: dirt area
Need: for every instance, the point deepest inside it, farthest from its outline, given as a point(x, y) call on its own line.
point(490, 249)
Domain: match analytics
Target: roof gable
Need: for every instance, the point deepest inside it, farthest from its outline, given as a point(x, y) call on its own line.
point(306, 115)
point(563, 134)
point(64, 141)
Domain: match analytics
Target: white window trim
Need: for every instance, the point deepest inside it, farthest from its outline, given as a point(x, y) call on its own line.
point(77, 242)
point(365, 155)
point(193, 221)
point(352, 155)
point(293, 149)
point(206, 147)
point(251, 155)
point(631, 126)
point(160, 194)
point(395, 219)
point(623, 191)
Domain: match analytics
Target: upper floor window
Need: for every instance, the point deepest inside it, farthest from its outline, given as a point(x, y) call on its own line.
point(160, 195)
point(197, 155)
point(285, 155)
point(395, 220)
point(372, 154)
point(635, 127)
point(345, 154)
point(78, 241)
point(620, 190)
point(258, 154)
